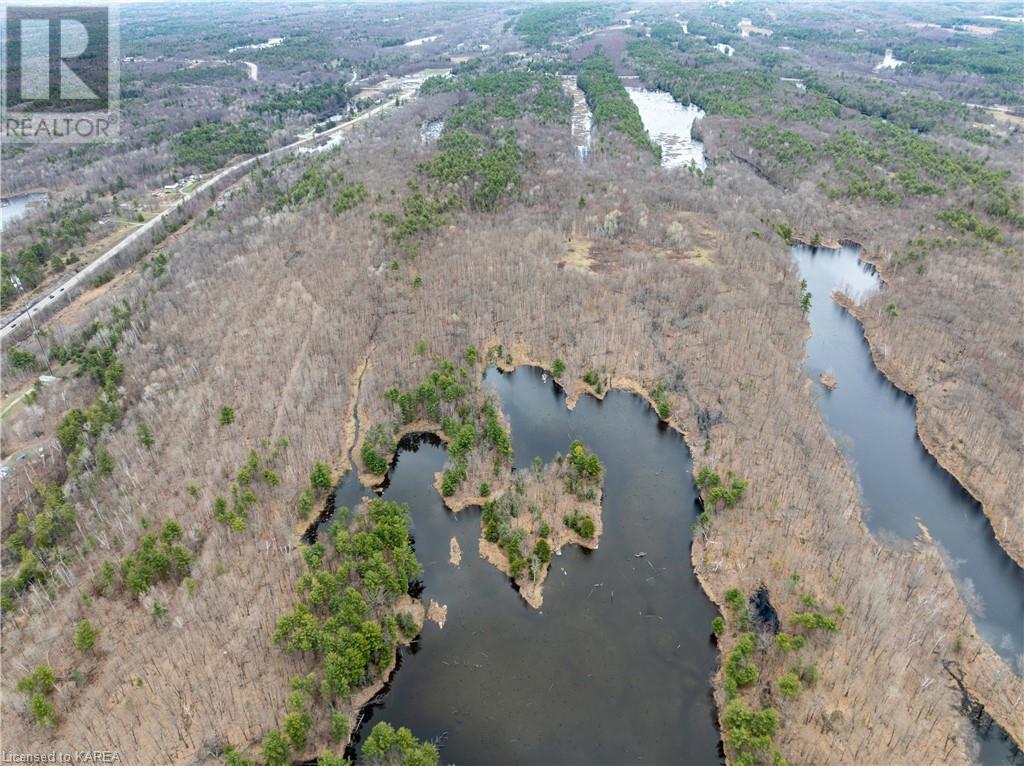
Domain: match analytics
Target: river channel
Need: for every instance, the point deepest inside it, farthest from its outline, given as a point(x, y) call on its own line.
point(615, 667)
point(875, 424)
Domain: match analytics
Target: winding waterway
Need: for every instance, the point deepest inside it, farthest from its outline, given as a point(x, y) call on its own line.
point(875, 424)
point(615, 668)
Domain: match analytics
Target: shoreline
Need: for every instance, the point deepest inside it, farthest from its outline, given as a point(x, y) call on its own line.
point(887, 367)
point(984, 664)
point(1011, 547)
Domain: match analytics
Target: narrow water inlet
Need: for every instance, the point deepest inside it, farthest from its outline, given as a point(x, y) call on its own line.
point(582, 118)
point(901, 482)
point(670, 126)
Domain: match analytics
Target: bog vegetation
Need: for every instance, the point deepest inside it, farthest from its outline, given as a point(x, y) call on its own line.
point(187, 415)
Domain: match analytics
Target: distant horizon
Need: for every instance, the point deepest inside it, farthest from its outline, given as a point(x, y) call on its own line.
point(408, 382)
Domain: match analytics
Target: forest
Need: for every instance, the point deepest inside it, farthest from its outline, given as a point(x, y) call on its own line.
point(173, 437)
point(610, 103)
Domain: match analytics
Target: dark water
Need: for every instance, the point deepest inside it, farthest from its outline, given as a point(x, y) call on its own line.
point(615, 668)
point(995, 746)
point(874, 424)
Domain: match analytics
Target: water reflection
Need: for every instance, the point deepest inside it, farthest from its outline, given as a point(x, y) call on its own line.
point(889, 61)
point(616, 667)
point(669, 124)
point(18, 205)
point(901, 482)
point(582, 120)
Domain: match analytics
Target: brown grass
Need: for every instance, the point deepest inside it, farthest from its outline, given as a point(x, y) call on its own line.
point(258, 304)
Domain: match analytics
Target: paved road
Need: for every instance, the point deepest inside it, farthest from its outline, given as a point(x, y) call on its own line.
point(43, 305)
